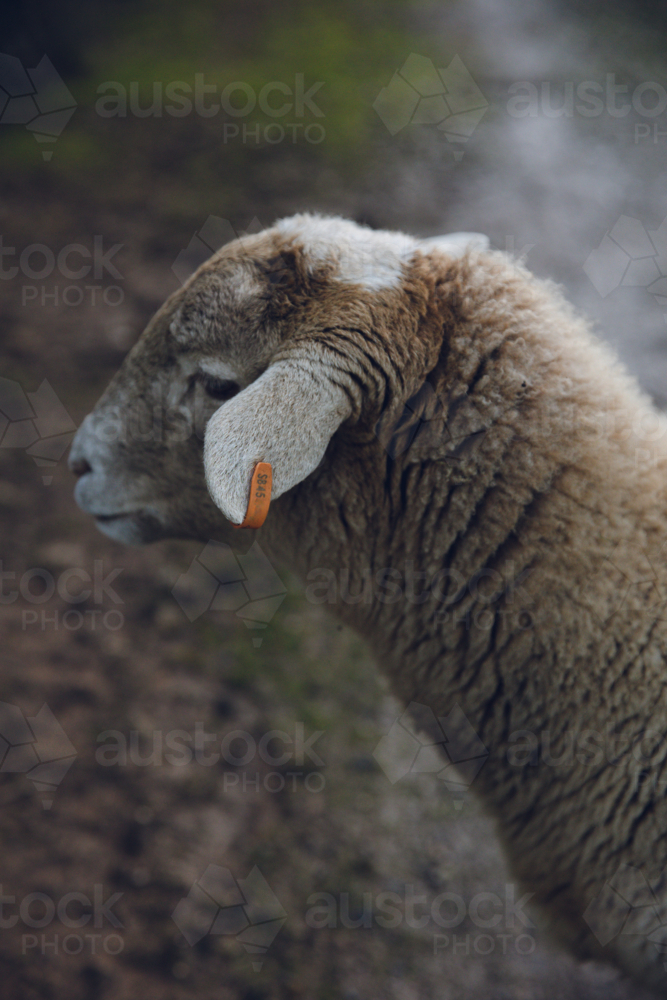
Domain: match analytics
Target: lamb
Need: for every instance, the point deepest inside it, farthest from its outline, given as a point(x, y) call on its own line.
point(429, 408)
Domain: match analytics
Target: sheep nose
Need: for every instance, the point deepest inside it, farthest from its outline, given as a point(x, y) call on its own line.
point(79, 466)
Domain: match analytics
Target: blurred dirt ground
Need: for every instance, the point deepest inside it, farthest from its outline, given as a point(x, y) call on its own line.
point(148, 829)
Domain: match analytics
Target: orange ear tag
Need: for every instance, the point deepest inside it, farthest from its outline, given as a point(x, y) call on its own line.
point(260, 497)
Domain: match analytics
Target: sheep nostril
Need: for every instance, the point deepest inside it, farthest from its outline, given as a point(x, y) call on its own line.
point(80, 466)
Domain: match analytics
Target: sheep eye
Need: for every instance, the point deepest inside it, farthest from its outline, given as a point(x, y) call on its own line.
point(217, 388)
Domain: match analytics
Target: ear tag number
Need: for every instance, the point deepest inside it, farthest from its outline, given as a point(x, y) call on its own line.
point(260, 497)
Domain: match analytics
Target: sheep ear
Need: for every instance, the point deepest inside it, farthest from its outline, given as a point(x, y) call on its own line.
point(456, 243)
point(287, 418)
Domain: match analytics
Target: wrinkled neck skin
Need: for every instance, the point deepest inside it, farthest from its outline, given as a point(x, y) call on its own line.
point(474, 557)
point(467, 530)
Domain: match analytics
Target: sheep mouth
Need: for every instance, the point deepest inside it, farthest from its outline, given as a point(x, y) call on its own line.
point(123, 515)
point(132, 527)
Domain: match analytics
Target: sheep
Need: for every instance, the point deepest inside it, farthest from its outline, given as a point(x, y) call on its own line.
point(431, 411)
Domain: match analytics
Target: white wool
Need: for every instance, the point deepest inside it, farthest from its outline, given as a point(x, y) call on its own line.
point(374, 259)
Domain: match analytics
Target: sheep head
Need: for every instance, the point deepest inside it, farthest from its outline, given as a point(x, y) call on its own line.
point(273, 344)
